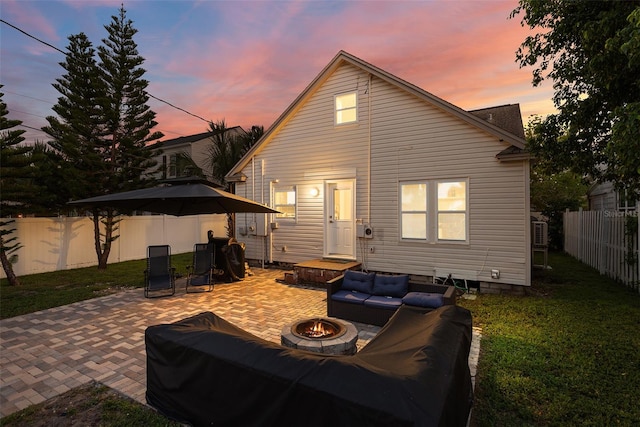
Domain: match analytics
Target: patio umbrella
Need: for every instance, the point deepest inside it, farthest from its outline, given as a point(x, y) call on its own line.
point(179, 198)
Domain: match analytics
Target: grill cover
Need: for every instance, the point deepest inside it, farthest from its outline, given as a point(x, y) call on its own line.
point(205, 371)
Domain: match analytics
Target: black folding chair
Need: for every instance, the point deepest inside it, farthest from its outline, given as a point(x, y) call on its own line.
point(159, 277)
point(200, 273)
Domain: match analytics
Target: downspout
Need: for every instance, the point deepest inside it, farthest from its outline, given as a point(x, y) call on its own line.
point(264, 238)
point(528, 259)
point(271, 219)
point(253, 193)
point(369, 156)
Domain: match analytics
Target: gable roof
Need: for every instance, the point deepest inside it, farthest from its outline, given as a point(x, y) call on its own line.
point(516, 142)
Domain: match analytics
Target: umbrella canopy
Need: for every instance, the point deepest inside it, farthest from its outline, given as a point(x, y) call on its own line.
point(186, 197)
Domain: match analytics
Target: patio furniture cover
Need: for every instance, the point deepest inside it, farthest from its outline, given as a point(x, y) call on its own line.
point(206, 371)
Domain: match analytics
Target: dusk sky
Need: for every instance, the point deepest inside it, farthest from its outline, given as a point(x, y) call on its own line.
point(246, 61)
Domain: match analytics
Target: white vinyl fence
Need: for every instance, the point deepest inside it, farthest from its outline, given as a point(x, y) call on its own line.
point(51, 244)
point(599, 239)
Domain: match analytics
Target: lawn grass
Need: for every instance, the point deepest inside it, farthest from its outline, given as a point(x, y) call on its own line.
point(569, 354)
point(93, 404)
point(57, 288)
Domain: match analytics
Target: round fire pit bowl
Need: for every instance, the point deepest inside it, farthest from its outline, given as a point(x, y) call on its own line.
point(326, 335)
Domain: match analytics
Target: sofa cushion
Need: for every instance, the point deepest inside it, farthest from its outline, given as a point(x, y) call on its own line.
point(358, 281)
point(354, 297)
point(424, 299)
point(390, 303)
point(391, 286)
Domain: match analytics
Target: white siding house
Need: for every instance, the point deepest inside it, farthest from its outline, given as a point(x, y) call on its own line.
point(195, 147)
point(604, 197)
point(368, 167)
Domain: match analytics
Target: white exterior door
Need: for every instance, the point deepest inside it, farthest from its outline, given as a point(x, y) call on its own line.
point(340, 234)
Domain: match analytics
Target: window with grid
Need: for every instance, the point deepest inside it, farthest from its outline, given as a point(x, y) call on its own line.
point(346, 108)
point(452, 210)
point(284, 200)
point(434, 210)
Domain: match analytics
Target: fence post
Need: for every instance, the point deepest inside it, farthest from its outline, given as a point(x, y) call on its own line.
point(579, 236)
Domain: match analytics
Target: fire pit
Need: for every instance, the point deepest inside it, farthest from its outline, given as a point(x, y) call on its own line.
point(321, 335)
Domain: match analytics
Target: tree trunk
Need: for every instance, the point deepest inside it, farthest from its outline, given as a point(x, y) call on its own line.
point(8, 269)
point(103, 250)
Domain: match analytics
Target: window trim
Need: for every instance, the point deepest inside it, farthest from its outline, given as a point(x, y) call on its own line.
point(336, 110)
point(625, 203)
point(286, 189)
point(425, 212)
point(432, 212)
point(173, 166)
point(466, 211)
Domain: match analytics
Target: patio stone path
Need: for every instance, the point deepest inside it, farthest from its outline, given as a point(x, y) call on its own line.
point(49, 352)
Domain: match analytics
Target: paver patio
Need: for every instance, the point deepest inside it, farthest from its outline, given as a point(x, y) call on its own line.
point(46, 353)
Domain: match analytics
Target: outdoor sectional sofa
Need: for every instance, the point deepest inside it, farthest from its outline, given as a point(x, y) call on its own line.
point(205, 371)
point(373, 298)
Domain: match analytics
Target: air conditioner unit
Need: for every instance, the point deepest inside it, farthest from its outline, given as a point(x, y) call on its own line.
point(539, 233)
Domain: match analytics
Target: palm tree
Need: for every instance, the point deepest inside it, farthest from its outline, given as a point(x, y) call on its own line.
point(226, 149)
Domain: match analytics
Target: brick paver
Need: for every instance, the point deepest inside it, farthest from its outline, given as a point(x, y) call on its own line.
point(46, 353)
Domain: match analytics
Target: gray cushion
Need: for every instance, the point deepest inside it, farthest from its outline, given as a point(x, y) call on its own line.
point(393, 286)
point(358, 281)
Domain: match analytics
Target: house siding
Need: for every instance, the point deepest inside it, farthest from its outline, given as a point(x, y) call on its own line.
point(414, 141)
point(401, 138)
point(305, 153)
point(603, 197)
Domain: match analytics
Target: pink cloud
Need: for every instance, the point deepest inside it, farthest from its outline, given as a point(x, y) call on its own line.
point(25, 15)
point(253, 58)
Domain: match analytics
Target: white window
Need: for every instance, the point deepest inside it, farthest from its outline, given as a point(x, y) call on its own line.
point(346, 108)
point(452, 210)
point(626, 201)
point(285, 202)
point(172, 166)
point(414, 211)
point(434, 210)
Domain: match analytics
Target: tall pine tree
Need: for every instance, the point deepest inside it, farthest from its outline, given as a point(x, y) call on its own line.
point(77, 132)
point(103, 123)
point(15, 179)
point(129, 121)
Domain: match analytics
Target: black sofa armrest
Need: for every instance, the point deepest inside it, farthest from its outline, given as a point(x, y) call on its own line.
point(334, 285)
point(448, 292)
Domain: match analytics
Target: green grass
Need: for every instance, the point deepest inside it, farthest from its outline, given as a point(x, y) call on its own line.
point(92, 404)
point(569, 354)
point(57, 288)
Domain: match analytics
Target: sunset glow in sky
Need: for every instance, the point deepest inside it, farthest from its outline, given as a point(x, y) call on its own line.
point(246, 61)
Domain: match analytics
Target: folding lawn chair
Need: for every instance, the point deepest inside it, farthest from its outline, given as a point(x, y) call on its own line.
point(159, 277)
point(200, 274)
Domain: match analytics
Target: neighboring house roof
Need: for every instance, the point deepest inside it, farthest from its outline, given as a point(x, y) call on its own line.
point(514, 140)
point(191, 138)
point(507, 117)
